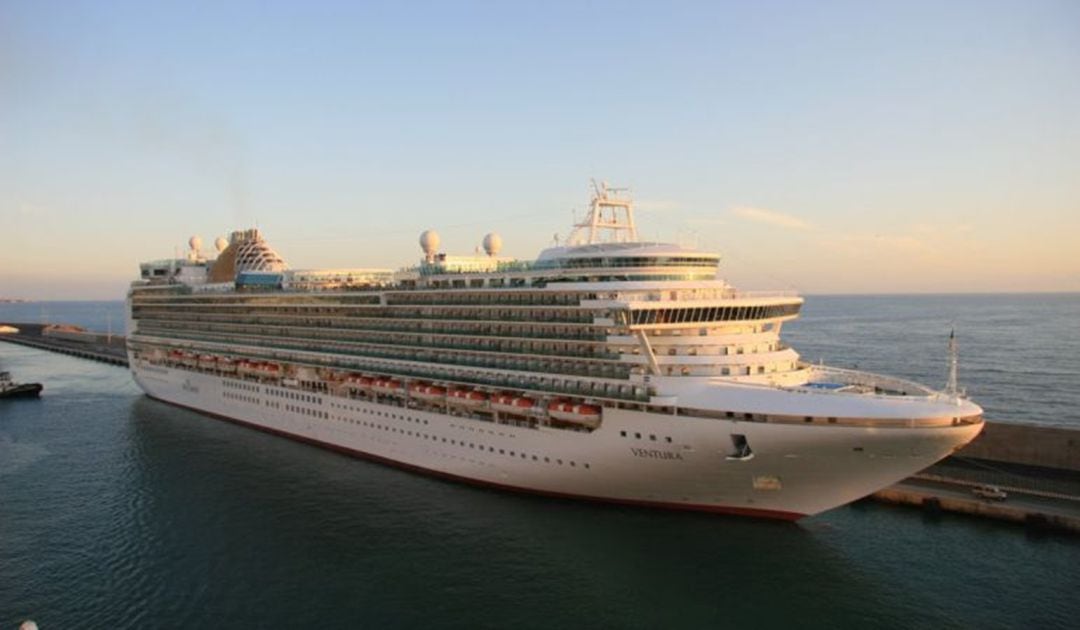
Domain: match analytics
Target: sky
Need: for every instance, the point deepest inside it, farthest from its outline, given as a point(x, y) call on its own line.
point(828, 147)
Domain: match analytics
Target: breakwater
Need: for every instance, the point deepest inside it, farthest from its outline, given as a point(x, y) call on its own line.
point(110, 349)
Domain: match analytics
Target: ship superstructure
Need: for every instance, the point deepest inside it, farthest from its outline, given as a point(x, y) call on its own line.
point(607, 368)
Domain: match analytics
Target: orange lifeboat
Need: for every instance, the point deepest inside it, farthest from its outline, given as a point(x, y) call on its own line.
point(387, 387)
point(429, 393)
point(358, 381)
point(226, 365)
point(467, 398)
point(588, 415)
point(509, 403)
point(269, 370)
point(245, 367)
point(207, 362)
point(190, 359)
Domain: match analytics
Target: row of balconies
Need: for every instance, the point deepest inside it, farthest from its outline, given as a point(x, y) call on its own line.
point(590, 350)
point(592, 387)
point(570, 332)
point(479, 358)
point(552, 315)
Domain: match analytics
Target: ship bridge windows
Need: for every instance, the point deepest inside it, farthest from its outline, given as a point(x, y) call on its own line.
point(701, 314)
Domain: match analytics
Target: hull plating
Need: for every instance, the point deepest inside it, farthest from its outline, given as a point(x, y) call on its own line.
point(636, 458)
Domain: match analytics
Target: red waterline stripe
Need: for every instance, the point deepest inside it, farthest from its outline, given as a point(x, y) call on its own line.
point(685, 507)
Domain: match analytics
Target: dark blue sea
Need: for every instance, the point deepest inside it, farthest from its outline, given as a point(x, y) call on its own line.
point(120, 512)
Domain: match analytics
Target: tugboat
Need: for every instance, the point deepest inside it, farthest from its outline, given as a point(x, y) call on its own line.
point(11, 389)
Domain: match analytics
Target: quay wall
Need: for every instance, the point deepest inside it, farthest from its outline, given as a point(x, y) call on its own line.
point(902, 494)
point(1029, 445)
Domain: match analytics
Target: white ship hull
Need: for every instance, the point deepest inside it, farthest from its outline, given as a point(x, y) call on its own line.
point(795, 471)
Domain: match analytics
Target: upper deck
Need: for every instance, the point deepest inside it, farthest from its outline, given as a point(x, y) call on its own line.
point(603, 316)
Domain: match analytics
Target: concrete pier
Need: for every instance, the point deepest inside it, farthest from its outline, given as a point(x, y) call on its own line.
point(96, 347)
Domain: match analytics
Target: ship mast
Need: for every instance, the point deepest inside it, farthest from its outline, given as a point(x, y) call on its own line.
point(610, 220)
point(951, 387)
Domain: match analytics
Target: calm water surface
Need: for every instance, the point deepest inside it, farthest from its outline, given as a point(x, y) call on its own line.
point(117, 511)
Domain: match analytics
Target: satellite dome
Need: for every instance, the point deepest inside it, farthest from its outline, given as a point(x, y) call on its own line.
point(429, 242)
point(493, 244)
point(220, 244)
point(195, 243)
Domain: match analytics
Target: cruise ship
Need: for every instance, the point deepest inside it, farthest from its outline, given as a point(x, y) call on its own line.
point(607, 369)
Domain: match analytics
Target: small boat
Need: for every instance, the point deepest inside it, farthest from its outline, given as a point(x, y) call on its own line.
point(509, 403)
point(428, 393)
point(268, 370)
point(358, 381)
point(11, 389)
point(588, 415)
point(387, 386)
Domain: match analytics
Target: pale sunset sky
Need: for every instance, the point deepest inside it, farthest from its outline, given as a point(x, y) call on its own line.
point(830, 147)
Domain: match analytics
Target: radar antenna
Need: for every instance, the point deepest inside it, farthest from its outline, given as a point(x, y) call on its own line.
point(610, 219)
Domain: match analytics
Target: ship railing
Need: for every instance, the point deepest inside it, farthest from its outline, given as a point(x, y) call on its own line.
point(439, 268)
point(878, 384)
point(938, 421)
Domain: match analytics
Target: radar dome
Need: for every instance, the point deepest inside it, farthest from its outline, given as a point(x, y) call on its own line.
point(429, 242)
point(195, 243)
point(220, 244)
point(493, 244)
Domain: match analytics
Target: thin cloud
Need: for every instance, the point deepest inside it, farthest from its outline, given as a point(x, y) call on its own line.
point(656, 205)
point(770, 217)
point(706, 221)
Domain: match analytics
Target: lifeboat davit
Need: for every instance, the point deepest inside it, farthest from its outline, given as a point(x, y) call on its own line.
point(387, 387)
point(430, 393)
point(509, 403)
point(578, 413)
point(467, 398)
